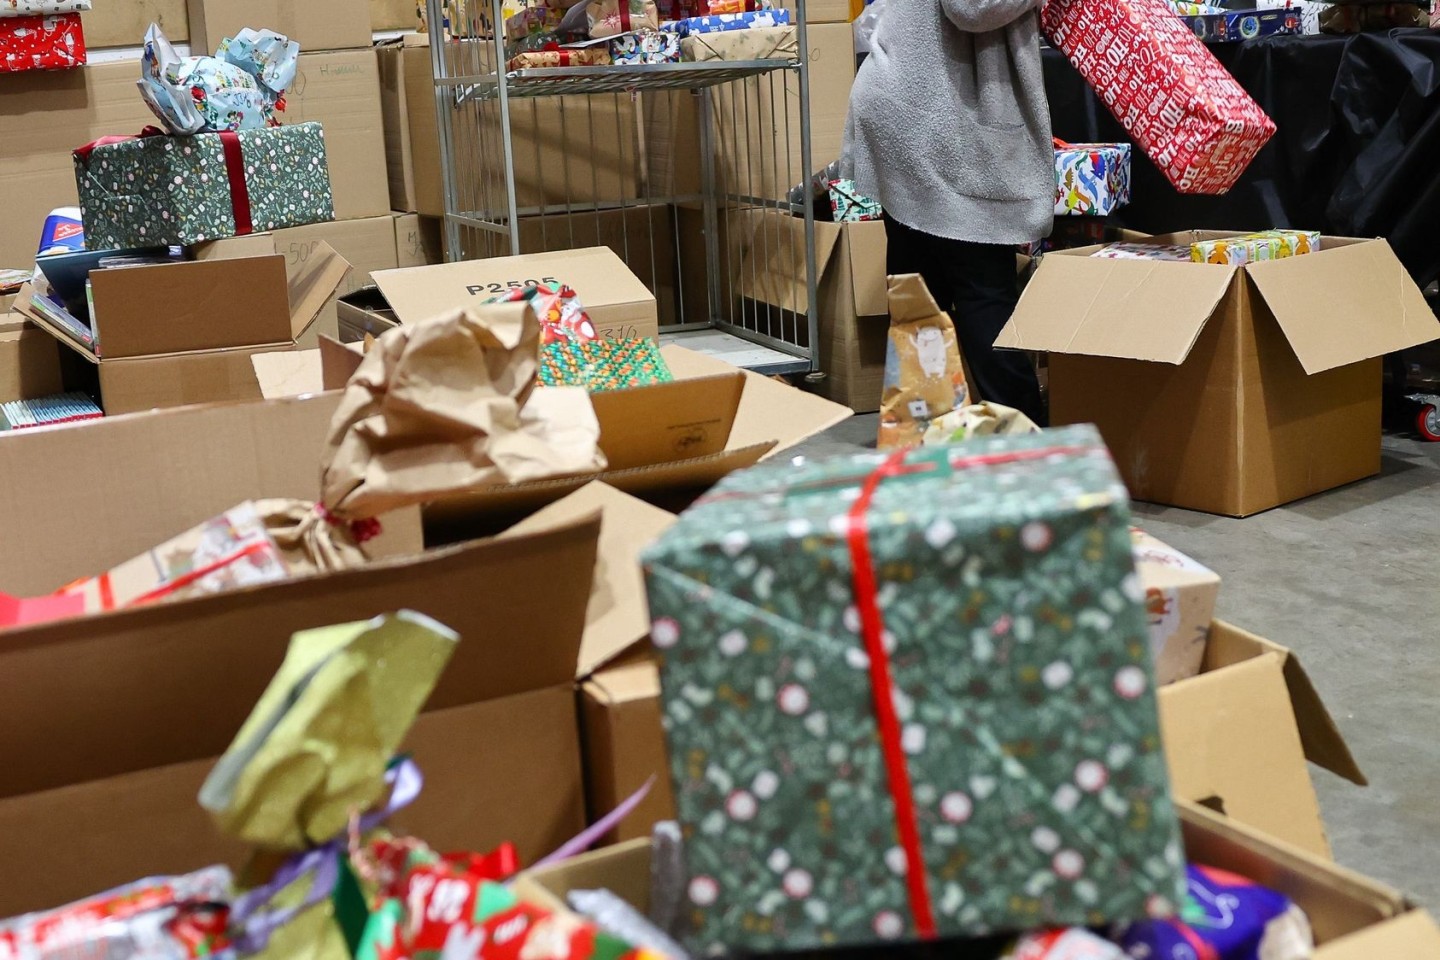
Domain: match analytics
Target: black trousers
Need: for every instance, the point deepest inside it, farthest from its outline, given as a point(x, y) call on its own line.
point(976, 284)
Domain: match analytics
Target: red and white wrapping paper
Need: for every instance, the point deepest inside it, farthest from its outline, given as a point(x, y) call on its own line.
point(1189, 115)
point(41, 43)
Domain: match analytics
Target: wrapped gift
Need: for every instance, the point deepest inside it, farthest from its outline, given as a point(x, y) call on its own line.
point(1180, 597)
point(1230, 26)
point(1265, 245)
point(557, 56)
point(1187, 9)
point(722, 22)
point(558, 308)
point(599, 365)
point(1092, 179)
point(909, 695)
point(54, 42)
point(848, 205)
point(1143, 251)
point(539, 18)
point(154, 189)
point(240, 88)
point(648, 47)
point(39, 8)
point(755, 43)
point(1182, 107)
point(538, 42)
point(609, 18)
point(1225, 917)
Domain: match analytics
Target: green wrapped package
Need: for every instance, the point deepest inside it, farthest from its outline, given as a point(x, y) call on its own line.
point(156, 190)
point(599, 365)
point(1005, 606)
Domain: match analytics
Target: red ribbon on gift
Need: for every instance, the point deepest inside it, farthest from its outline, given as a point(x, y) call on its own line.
point(234, 170)
point(872, 630)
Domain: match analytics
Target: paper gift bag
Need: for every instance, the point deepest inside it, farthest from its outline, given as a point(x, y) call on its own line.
point(924, 376)
point(1189, 115)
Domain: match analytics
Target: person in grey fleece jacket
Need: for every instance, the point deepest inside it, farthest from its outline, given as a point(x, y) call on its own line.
point(949, 129)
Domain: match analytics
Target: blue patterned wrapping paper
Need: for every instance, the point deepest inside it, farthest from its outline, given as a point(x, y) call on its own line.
point(149, 191)
point(730, 21)
point(648, 47)
point(1091, 179)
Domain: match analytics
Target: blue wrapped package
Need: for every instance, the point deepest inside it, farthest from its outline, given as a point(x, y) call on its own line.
point(715, 23)
point(1224, 917)
point(240, 88)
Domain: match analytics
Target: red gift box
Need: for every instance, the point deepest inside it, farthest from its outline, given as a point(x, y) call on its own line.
point(1189, 115)
point(55, 42)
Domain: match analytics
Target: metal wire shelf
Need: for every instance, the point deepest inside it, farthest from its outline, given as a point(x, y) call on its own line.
point(620, 78)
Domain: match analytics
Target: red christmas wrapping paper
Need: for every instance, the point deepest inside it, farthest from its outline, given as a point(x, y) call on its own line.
point(1189, 115)
point(54, 42)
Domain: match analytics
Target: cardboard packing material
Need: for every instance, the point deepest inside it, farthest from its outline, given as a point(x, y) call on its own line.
point(642, 236)
point(197, 347)
point(393, 15)
point(341, 90)
point(418, 240)
point(1219, 388)
point(47, 114)
point(567, 149)
point(1180, 597)
point(314, 24)
point(124, 24)
point(180, 678)
point(822, 11)
point(29, 361)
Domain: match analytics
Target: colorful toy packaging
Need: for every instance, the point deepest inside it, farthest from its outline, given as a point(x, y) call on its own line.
point(848, 205)
point(908, 694)
point(1182, 107)
point(599, 365)
point(1232, 26)
point(1265, 245)
point(50, 42)
point(1092, 179)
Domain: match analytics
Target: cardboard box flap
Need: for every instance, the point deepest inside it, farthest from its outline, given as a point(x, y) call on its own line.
point(1411, 936)
point(596, 274)
point(662, 422)
point(313, 284)
point(773, 261)
point(618, 617)
point(866, 244)
point(338, 362)
point(1323, 742)
point(1319, 316)
point(769, 409)
point(288, 373)
point(1131, 309)
point(623, 869)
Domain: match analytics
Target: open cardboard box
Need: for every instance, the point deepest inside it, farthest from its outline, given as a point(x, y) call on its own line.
point(1354, 918)
point(184, 333)
point(1227, 389)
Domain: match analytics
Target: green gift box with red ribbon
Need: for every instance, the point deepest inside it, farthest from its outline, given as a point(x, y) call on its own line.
point(156, 189)
point(910, 696)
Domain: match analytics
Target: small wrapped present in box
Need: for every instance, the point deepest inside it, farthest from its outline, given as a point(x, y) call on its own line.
point(1143, 251)
point(909, 695)
point(556, 56)
point(608, 18)
point(1185, 110)
point(599, 365)
point(55, 42)
point(722, 22)
point(154, 189)
point(1265, 245)
point(647, 47)
point(848, 205)
point(1092, 179)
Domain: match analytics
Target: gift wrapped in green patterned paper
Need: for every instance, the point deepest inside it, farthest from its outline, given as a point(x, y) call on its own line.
point(599, 365)
point(155, 189)
point(1014, 777)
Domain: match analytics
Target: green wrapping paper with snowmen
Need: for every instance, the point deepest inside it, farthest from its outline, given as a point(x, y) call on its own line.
point(1003, 602)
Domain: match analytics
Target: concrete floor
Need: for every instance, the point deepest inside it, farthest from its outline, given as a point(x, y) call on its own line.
point(1347, 579)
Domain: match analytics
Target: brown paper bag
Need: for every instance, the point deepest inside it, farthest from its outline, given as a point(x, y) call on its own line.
point(310, 540)
point(924, 376)
point(450, 405)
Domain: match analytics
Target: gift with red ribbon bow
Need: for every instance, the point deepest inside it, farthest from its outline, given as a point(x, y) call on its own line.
point(909, 696)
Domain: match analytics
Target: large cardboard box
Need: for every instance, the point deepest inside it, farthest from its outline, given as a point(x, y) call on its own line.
point(367, 245)
point(176, 334)
point(180, 678)
point(393, 15)
point(314, 24)
point(341, 90)
point(418, 240)
point(566, 149)
point(29, 361)
point(124, 24)
point(1221, 388)
point(46, 115)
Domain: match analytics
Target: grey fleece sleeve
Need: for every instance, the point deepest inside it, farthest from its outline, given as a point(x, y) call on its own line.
point(983, 16)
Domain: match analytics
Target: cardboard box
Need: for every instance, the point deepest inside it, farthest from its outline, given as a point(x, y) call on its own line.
point(566, 149)
point(315, 24)
point(418, 240)
point(180, 678)
point(29, 361)
point(822, 11)
point(1238, 736)
point(1219, 388)
point(46, 115)
point(625, 747)
point(615, 299)
point(393, 15)
point(124, 24)
point(854, 313)
point(367, 245)
point(1180, 597)
point(342, 92)
point(196, 348)
point(642, 236)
